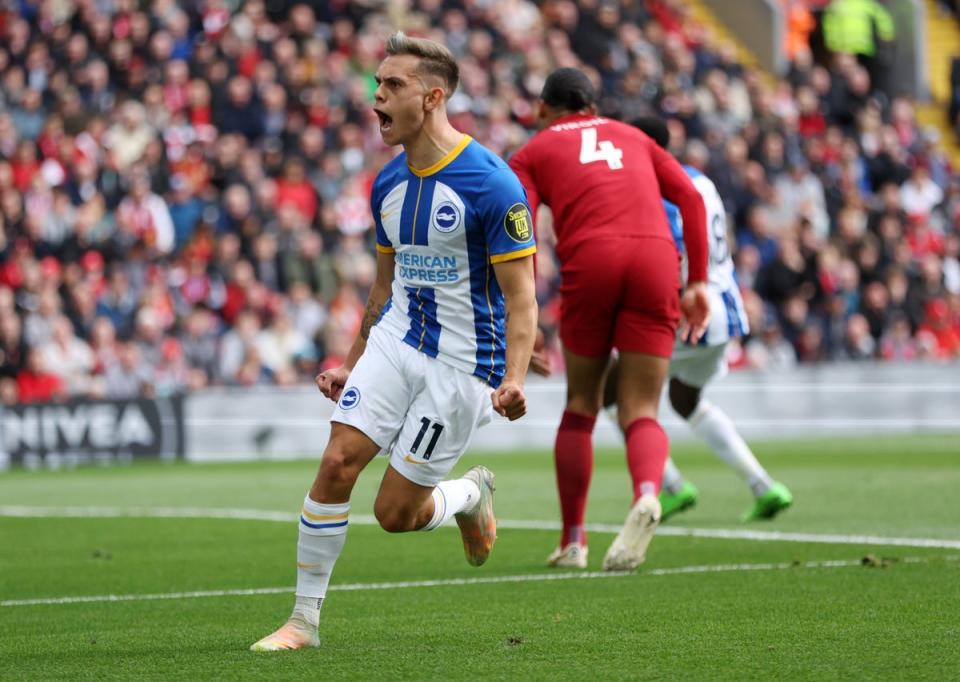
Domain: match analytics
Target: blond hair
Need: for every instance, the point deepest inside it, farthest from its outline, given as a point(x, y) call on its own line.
point(435, 59)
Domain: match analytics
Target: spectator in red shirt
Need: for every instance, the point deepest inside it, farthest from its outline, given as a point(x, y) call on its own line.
point(24, 165)
point(922, 239)
point(937, 325)
point(35, 384)
point(294, 188)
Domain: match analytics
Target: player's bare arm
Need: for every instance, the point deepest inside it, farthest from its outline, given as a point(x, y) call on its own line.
point(540, 360)
point(695, 306)
point(515, 278)
point(332, 381)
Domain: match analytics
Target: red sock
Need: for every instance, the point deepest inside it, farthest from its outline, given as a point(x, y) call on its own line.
point(573, 457)
point(647, 452)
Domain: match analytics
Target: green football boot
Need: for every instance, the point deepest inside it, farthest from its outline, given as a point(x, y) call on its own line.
point(674, 503)
point(770, 503)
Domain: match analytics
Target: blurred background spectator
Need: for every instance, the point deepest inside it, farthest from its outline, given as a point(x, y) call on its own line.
point(184, 187)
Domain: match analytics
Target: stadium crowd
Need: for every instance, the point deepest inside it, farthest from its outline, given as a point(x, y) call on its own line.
point(184, 185)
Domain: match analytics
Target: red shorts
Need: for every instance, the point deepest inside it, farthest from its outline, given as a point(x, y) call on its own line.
point(621, 294)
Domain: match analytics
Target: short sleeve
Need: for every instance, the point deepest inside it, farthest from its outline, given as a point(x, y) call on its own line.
point(520, 163)
point(507, 222)
point(383, 243)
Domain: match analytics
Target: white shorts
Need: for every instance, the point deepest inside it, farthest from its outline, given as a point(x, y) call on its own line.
point(698, 365)
point(419, 410)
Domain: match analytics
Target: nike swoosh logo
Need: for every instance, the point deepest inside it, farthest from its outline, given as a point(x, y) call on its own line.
point(410, 459)
point(385, 214)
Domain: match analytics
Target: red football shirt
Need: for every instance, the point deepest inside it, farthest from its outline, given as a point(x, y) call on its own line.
point(604, 179)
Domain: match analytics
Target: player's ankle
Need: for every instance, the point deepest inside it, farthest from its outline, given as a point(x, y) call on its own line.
point(306, 613)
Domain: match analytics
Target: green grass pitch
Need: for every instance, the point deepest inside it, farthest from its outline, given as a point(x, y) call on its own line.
point(729, 607)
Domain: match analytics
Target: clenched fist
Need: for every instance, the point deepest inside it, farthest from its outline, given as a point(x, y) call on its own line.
point(332, 381)
point(509, 401)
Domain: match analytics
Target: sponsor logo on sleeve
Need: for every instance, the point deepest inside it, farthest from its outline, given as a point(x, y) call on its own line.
point(516, 223)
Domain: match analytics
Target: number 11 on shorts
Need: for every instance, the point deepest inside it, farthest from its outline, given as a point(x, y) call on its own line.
point(425, 425)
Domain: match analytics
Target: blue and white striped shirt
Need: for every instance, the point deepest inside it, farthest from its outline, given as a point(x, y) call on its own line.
point(728, 320)
point(447, 225)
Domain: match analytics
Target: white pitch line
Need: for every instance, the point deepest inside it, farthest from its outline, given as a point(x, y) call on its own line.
point(149, 512)
point(359, 587)
point(819, 538)
point(99, 598)
point(755, 535)
point(452, 582)
point(368, 520)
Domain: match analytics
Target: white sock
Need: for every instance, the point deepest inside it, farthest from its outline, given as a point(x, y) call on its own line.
point(323, 530)
point(307, 609)
point(672, 478)
point(716, 428)
point(452, 497)
point(614, 415)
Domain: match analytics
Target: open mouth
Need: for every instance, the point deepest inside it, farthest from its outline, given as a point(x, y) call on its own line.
point(386, 121)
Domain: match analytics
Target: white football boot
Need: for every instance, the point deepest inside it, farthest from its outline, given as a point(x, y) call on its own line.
point(294, 634)
point(629, 548)
point(572, 555)
point(478, 527)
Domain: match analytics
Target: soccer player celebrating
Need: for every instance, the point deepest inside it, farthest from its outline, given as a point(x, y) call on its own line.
point(451, 314)
point(620, 276)
point(692, 367)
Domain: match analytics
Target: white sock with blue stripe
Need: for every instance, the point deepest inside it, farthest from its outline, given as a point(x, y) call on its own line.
point(452, 497)
point(711, 424)
point(323, 530)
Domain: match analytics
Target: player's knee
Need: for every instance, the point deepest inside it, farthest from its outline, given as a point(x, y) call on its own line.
point(337, 470)
point(589, 406)
point(626, 415)
point(683, 398)
point(391, 519)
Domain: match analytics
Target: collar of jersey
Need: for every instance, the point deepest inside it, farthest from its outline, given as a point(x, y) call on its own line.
point(573, 116)
point(444, 162)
